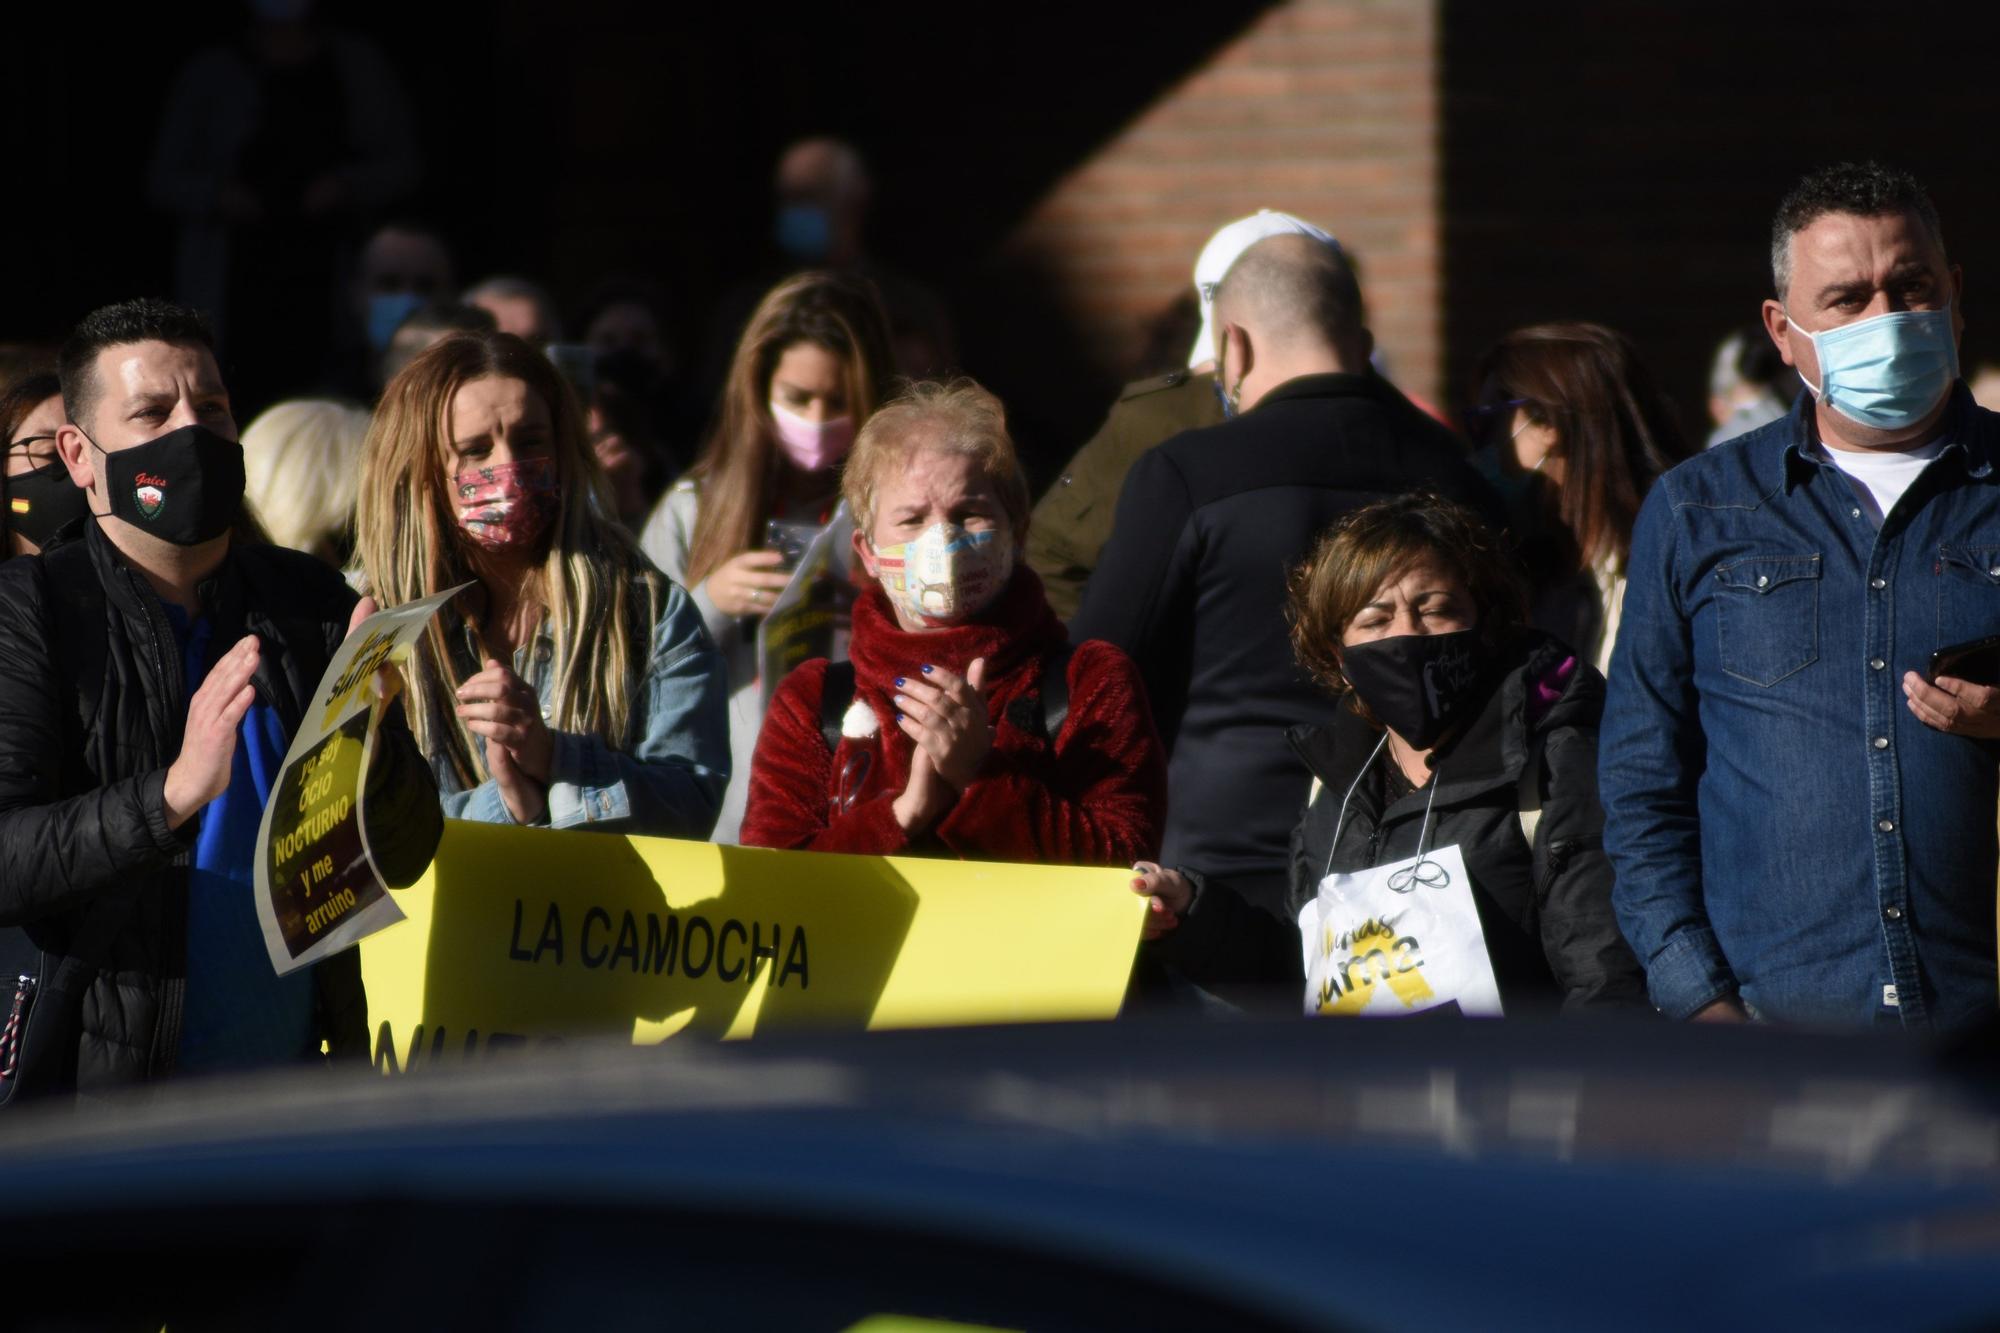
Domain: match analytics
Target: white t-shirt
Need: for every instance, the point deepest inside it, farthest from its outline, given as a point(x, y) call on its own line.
point(1879, 479)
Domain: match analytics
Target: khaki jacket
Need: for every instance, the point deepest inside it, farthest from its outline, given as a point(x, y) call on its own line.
point(1073, 521)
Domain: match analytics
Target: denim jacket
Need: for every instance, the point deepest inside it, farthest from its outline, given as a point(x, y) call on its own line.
point(1783, 828)
point(666, 779)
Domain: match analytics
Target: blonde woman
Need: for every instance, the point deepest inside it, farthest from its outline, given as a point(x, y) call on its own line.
point(808, 372)
point(965, 724)
point(572, 685)
point(302, 471)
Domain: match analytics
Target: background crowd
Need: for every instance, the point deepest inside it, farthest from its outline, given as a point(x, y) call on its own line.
point(1277, 621)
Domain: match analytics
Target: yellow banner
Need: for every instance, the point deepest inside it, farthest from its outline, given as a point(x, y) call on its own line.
point(519, 935)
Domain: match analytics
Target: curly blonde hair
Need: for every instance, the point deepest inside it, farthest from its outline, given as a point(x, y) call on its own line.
point(1372, 545)
point(956, 417)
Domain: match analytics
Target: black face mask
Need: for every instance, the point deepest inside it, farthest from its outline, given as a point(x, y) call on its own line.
point(1417, 685)
point(39, 503)
point(185, 487)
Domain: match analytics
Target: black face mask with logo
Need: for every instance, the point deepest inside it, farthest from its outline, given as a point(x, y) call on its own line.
point(1418, 685)
point(186, 487)
point(41, 502)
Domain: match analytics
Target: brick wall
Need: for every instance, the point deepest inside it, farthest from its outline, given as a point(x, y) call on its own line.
point(1323, 108)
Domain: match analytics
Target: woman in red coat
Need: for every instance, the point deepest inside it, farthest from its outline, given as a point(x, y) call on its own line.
point(958, 740)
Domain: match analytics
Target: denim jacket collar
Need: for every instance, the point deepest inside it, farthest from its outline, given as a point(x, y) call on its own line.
point(1966, 433)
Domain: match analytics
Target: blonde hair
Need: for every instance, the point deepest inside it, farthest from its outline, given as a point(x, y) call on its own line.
point(302, 468)
point(737, 473)
point(599, 595)
point(954, 417)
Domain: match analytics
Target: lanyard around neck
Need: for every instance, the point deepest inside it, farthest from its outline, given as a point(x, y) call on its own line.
point(1340, 821)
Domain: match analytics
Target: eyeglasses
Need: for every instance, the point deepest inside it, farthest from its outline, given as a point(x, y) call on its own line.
point(1479, 420)
point(38, 449)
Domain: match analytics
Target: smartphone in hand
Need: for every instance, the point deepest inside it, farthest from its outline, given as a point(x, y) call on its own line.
point(789, 540)
point(1977, 661)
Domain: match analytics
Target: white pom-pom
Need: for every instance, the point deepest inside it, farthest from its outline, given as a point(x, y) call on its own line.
point(860, 722)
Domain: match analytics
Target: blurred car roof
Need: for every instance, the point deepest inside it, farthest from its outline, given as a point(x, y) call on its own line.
point(1179, 1174)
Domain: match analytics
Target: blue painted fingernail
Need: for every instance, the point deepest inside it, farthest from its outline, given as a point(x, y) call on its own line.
point(927, 671)
point(899, 682)
point(899, 717)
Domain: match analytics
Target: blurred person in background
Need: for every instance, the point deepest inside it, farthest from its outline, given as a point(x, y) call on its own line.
point(424, 327)
point(1984, 382)
point(622, 441)
point(404, 265)
point(1799, 807)
point(518, 306)
point(823, 195)
point(624, 326)
point(1749, 385)
point(1574, 433)
point(1073, 521)
point(273, 152)
point(965, 723)
point(18, 360)
point(1192, 582)
point(41, 498)
point(571, 685)
point(811, 368)
point(302, 475)
point(1460, 724)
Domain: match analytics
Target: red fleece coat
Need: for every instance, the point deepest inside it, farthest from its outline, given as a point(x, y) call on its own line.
point(1100, 798)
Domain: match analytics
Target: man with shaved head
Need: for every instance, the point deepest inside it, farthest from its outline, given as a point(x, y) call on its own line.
point(1192, 582)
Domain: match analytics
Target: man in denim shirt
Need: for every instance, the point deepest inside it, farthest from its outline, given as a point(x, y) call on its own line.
point(1802, 824)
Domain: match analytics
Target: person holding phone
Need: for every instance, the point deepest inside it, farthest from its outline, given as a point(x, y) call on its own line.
point(965, 724)
point(809, 370)
point(1801, 823)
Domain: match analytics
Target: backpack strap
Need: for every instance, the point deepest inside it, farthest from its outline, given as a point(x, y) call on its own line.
point(836, 693)
point(1055, 691)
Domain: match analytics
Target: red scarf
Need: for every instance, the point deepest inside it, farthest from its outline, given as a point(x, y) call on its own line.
point(1013, 634)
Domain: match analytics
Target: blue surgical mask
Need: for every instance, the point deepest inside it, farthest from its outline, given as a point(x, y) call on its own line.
point(805, 232)
point(387, 310)
point(1886, 372)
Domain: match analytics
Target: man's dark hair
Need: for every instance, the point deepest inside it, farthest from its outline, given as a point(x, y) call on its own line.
point(142, 321)
point(1865, 189)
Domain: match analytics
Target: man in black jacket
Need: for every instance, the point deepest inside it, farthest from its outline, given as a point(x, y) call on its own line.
point(1209, 525)
point(153, 670)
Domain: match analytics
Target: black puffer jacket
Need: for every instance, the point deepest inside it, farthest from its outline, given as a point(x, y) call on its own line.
point(1545, 908)
point(92, 704)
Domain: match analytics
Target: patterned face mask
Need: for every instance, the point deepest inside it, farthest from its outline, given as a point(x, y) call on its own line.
point(509, 506)
point(947, 573)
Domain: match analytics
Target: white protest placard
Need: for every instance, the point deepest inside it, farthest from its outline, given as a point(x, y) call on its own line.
point(1398, 939)
point(318, 888)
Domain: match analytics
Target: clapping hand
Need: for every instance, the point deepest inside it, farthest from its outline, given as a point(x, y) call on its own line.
point(502, 708)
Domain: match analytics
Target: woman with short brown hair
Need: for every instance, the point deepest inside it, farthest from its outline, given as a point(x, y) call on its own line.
point(1465, 730)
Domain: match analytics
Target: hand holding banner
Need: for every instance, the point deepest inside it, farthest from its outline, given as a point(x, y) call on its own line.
point(318, 888)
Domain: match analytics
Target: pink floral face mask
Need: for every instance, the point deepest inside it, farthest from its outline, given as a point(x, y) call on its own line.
point(509, 506)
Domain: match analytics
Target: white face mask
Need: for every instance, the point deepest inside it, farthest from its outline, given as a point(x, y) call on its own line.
point(947, 573)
